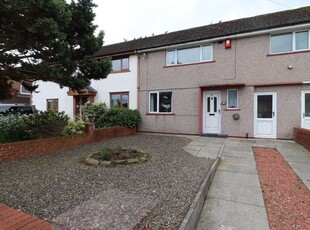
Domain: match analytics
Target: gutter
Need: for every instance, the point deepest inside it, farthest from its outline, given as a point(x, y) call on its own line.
point(248, 34)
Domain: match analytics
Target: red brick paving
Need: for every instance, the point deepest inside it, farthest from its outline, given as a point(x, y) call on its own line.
point(287, 199)
point(11, 219)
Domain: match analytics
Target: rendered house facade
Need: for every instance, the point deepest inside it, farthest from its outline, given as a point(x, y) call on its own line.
point(249, 78)
point(118, 89)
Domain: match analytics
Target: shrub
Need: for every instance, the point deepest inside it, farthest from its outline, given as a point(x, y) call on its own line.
point(74, 127)
point(119, 117)
point(45, 124)
point(91, 112)
point(104, 154)
point(26, 127)
point(12, 128)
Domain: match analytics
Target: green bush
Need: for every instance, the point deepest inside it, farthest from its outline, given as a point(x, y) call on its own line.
point(12, 128)
point(33, 126)
point(46, 124)
point(91, 112)
point(74, 127)
point(119, 117)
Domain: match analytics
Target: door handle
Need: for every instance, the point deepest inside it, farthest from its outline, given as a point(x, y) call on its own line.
point(211, 114)
point(303, 115)
point(219, 111)
point(273, 114)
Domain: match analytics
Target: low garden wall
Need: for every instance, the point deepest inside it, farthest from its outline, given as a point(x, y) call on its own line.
point(302, 136)
point(21, 149)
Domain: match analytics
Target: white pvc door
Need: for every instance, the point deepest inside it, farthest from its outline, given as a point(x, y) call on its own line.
point(212, 112)
point(265, 119)
point(305, 109)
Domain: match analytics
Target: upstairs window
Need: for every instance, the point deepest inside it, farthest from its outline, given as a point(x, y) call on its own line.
point(23, 90)
point(160, 102)
point(121, 64)
point(189, 55)
point(288, 42)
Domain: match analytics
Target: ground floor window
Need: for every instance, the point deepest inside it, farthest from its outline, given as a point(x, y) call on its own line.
point(160, 102)
point(52, 104)
point(232, 99)
point(119, 100)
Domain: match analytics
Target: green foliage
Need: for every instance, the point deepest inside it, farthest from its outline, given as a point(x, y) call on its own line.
point(74, 127)
point(45, 124)
point(119, 117)
point(34, 126)
point(48, 40)
point(104, 154)
point(12, 128)
point(91, 112)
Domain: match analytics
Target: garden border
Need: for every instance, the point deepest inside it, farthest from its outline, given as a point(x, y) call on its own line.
point(21, 149)
point(302, 137)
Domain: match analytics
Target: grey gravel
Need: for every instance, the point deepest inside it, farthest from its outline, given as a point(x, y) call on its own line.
point(49, 185)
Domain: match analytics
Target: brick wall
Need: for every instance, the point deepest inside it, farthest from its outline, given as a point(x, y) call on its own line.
point(21, 149)
point(302, 136)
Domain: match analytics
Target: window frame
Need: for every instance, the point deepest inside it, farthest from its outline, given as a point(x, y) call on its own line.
point(191, 47)
point(227, 104)
point(293, 41)
point(21, 87)
point(121, 98)
point(52, 99)
point(121, 64)
point(157, 92)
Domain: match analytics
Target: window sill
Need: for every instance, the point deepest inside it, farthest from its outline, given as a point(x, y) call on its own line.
point(121, 71)
point(288, 53)
point(197, 63)
point(232, 110)
point(165, 114)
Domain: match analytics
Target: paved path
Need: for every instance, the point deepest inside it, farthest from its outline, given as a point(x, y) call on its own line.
point(235, 199)
point(11, 219)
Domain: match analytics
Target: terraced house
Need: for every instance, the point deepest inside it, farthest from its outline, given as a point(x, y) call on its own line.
point(247, 78)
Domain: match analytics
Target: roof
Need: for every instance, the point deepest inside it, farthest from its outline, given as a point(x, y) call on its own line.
point(221, 29)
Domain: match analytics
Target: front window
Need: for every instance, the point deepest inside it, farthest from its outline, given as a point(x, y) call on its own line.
point(23, 90)
point(161, 102)
point(189, 55)
point(121, 64)
point(52, 104)
point(288, 42)
point(232, 99)
point(119, 100)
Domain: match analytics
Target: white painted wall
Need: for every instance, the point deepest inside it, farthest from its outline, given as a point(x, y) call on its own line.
point(115, 82)
point(50, 90)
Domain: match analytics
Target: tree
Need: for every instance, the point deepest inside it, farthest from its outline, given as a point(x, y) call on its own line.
point(49, 40)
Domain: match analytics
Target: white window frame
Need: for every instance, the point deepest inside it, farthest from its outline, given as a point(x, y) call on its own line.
point(157, 92)
point(21, 90)
point(293, 41)
point(200, 58)
point(228, 99)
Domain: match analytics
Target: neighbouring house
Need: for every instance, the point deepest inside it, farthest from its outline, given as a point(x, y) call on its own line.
point(20, 95)
point(246, 78)
point(118, 89)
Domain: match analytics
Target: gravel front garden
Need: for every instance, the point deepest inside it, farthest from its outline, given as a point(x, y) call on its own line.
point(49, 185)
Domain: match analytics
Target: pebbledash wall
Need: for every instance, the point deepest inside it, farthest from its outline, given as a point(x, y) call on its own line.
point(21, 149)
point(115, 83)
point(248, 62)
point(302, 136)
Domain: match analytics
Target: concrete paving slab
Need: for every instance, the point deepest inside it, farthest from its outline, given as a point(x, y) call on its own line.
point(236, 193)
point(237, 178)
point(239, 161)
point(192, 147)
point(237, 154)
point(238, 148)
point(221, 214)
point(197, 143)
point(295, 158)
point(216, 140)
point(286, 144)
point(307, 183)
point(265, 144)
point(214, 145)
point(193, 152)
point(237, 168)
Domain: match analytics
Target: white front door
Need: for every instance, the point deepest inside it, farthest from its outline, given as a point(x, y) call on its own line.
point(265, 115)
point(305, 109)
point(211, 112)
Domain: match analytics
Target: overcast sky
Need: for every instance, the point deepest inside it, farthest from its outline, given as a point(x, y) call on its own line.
point(129, 19)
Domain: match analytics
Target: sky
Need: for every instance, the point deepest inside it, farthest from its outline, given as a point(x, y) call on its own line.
point(129, 19)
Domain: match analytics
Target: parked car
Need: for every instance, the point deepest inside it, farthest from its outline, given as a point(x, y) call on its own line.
point(6, 109)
